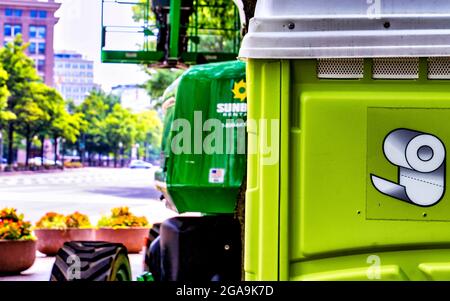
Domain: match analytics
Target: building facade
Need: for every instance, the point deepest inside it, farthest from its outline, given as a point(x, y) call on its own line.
point(133, 97)
point(73, 75)
point(35, 21)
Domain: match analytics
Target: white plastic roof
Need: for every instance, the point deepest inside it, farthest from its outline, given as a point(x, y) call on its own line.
point(348, 28)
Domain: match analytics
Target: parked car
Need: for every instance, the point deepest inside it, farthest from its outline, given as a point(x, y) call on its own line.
point(140, 164)
point(38, 161)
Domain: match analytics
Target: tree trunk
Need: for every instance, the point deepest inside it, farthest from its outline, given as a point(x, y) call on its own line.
point(249, 10)
point(27, 148)
point(62, 153)
point(42, 150)
point(115, 159)
point(145, 151)
point(10, 143)
point(56, 149)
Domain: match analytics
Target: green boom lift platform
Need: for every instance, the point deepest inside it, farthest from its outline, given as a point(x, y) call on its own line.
point(168, 33)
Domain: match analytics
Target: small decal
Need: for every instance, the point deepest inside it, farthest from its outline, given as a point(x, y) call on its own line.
point(420, 158)
point(216, 175)
point(240, 90)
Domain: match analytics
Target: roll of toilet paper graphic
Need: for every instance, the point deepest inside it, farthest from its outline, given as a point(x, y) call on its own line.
point(420, 158)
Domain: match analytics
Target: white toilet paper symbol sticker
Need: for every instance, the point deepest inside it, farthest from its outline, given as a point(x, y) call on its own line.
point(420, 158)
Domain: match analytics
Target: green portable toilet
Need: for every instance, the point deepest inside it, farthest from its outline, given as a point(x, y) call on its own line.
point(348, 129)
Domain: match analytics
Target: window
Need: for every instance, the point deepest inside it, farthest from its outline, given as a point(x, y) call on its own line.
point(32, 48)
point(12, 30)
point(33, 31)
point(7, 30)
point(67, 65)
point(82, 66)
point(37, 32)
point(41, 65)
point(13, 12)
point(17, 29)
point(41, 48)
point(42, 14)
point(75, 66)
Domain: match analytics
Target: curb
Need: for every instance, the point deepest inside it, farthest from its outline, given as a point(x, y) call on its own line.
point(17, 173)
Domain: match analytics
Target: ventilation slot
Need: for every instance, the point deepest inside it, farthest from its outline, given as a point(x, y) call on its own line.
point(439, 68)
point(396, 68)
point(340, 68)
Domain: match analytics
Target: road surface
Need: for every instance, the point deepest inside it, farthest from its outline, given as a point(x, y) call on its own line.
point(92, 191)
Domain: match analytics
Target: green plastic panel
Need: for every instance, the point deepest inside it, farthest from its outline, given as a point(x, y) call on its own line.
point(315, 214)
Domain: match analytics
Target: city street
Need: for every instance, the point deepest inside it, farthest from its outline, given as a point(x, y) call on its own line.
point(92, 191)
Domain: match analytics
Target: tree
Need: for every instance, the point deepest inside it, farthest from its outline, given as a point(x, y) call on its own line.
point(54, 106)
point(148, 130)
point(216, 24)
point(5, 115)
point(21, 74)
point(33, 114)
point(120, 129)
point(215, 18)
point(159, 80)
point(55, 122)
point(67, 126)
point(95, 109)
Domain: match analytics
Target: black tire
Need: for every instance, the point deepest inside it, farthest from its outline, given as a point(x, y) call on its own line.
point(153, 234)
point(98, 261)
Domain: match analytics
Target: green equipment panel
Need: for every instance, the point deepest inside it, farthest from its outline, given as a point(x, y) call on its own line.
point(205, 148)
point(358, 187)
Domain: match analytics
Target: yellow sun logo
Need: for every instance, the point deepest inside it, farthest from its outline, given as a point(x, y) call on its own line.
point(240, 90)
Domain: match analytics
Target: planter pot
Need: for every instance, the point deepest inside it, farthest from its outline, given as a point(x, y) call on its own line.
point(51, 240)
point(132, 238)
point(16, 255)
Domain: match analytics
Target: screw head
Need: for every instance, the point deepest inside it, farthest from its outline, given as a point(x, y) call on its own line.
point(291, 26)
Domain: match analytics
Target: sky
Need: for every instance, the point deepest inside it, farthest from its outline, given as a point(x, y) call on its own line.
point(79, 29)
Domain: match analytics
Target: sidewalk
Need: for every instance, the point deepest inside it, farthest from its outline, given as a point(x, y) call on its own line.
point(41, 270)
point(29, 172)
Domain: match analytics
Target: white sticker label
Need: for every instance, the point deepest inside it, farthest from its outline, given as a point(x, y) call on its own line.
point(216, 175)
point(420, 158)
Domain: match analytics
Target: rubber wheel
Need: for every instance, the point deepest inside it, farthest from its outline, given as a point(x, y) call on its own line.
point(91, 261)
point(153, 234)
